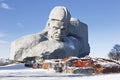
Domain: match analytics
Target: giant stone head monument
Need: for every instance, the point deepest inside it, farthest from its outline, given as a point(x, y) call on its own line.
point(63, 36)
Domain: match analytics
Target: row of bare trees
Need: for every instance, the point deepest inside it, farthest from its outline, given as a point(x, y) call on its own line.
point(4, 62)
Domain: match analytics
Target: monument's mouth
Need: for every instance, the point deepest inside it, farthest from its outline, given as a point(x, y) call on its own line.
point(58, 37)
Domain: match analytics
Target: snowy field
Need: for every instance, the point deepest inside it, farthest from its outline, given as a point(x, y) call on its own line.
point(19, 72)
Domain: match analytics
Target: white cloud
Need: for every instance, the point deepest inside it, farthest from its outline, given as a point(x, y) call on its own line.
point(19, 24)
point(2, 0)
point(2, 35)
point(5, 6)
point(3, 42)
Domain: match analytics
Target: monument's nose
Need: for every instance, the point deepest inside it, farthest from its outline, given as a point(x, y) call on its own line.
point(59, 31)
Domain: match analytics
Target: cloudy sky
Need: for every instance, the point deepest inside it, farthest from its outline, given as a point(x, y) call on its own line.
point(23, 17)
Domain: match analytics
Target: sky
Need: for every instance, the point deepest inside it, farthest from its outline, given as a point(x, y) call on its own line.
point(23, 17)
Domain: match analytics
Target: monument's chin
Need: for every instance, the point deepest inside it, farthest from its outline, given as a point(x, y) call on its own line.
point(57, 38)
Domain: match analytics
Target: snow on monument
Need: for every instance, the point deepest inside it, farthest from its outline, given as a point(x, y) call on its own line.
point(62, 37)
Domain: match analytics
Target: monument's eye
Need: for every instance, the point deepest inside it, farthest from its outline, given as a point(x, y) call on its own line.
point(54, 20)
point(55, 27)
point(63, 29)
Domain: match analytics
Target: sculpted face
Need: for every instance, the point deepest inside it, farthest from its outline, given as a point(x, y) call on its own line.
point(58, 20)
point(58, 30)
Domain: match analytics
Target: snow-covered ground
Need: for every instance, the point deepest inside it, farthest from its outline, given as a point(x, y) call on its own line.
point(20, 72)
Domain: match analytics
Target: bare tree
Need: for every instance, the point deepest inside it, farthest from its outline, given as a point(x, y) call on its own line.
point(115, 52)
